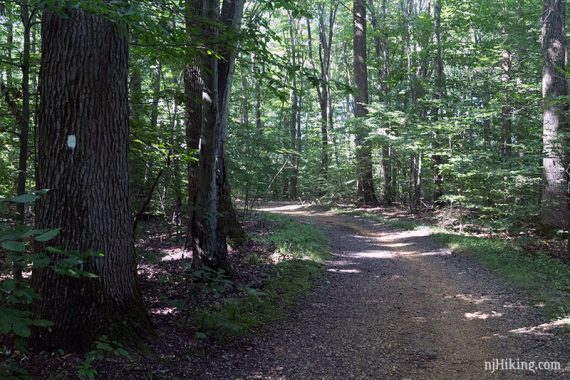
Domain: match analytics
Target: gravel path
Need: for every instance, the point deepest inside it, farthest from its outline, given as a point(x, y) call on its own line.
point(392, 304)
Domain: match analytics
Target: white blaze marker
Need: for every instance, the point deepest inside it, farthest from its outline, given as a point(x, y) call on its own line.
point(71, 142)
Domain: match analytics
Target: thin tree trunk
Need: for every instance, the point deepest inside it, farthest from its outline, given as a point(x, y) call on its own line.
point(209, 225)
point(231, 17)
point(383, 55)
point(506, 109)
point(24, 121)
point(326, 30)
point(294, 99)
point(554, 212)
point(366, 192)
point(257, 92)
point(194, 121)
point(9, 41)
point(155, 96)
point(438, 95)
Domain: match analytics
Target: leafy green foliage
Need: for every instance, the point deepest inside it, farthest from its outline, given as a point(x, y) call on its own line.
point(304, 248)
point(16, 320)
point(104, 347)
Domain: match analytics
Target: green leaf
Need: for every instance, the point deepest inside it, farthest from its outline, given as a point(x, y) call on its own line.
point(24, 198)
point(5, 326)
point(8, 285)
point(47, 235)
point(40, 260)
point(54, 250)
point(32, 233)
point(21, 330)
point(14, 246)
point(42, 323)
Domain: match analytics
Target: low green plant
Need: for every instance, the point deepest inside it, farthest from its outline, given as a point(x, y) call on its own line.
point(16, 319)
point(104, 347)
point(295, 239)
point(304, 248)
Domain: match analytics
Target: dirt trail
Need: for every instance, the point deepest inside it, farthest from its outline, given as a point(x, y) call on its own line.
point(392, 304)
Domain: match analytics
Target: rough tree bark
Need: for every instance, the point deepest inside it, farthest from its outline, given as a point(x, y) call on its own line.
point(554, 213)
point(366, 193)
point(231, 16)
point(293, 114)
point(383, 55)
point(209, 227)
point(506, 109)
point(193, 87)
point(326, 31)
point(83, 141)
point(439, 92)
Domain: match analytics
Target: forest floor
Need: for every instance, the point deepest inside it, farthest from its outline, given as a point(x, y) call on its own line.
point(394, 304)
point(389, 303)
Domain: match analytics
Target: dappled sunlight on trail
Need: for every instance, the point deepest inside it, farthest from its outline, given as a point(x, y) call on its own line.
point(394, 304)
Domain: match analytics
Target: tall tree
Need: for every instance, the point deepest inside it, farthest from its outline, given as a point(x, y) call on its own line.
point(382, 50)
point(83, 159)
point(365, 182)
point(208, 227)
point(326, 19)
point(294, 113)
point(554, 212)
point(193, 87)
point(438, 93)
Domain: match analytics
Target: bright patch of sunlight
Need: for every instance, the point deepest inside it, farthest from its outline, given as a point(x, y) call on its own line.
point(283, 208)
point(543, 329)
point(174, 254)
point(420, 232)
point(164, 311)
point(396, 245)
point(376, 255)
point(482, 315)
point(440, 252)
point(470, 298)
point(334, 270)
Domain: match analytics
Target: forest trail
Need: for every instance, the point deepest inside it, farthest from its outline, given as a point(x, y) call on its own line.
point(392, 304)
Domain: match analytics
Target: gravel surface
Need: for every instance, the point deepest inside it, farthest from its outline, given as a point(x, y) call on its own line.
point(392, 304)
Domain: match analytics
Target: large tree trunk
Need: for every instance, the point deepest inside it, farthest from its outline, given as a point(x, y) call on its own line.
point(554, 213)
point(83, 160)
point(366, 193)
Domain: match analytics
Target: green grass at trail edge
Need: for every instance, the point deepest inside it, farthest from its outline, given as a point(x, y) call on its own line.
point(545, 279)
point(306, 248)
